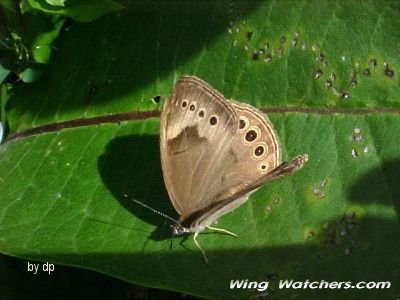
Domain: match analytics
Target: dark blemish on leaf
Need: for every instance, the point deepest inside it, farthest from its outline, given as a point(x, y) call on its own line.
point(318, 193)
point(345, 95)
point(321, 57)
point(156, 99)
point(317, 74)
point(276, 200)
point(332, 238)
point(268, 58)
point(342, 95)
point(328, 84)
point(366, 72)
point(260, 51)
point(255, 56)
point(357, 138)
point(249, 34)
point(279, 51)
point(315, 47)
point(353, 81)
point(324, 182)
point(388, 72)
point(336, 92)
point(354, 153)
point(310, 235)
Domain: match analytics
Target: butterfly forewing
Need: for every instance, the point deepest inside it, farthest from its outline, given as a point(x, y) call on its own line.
point(197, 126)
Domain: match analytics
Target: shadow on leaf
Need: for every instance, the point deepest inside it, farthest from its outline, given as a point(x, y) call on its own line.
point(131, 166)
point(380, 185)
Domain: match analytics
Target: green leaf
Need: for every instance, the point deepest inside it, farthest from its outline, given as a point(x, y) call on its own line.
point(79, 10)
point(3, 74)
point(44, 30)
point(14, 53)
point(62, 190)
point(56, 2)
point(26, 41)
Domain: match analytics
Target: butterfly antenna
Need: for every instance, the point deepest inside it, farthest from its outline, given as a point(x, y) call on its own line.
point(152, 209)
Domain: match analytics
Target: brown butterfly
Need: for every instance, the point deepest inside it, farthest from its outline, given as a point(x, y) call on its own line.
point(214, 153)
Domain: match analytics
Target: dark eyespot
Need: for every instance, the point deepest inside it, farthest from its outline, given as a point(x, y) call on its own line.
point(213, 120)
point(192, 107)
point(259, 151)
point(242, 124)
point(184, 104)
point(201, 113)
point(251, 135)
point(264, 167)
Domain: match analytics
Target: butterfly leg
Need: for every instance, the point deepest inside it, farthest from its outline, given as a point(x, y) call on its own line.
point(198, 246)
point(224, 231)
